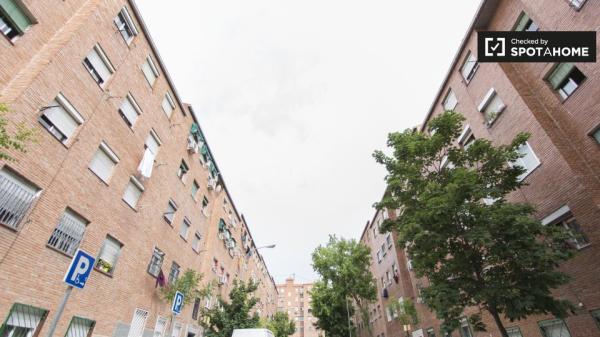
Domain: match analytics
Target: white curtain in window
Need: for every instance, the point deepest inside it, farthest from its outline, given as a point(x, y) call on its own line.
point(61, 119)
point(147, 163)
point(110, 251)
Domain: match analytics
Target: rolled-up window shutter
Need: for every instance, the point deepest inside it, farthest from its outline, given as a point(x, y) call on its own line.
point(559, 74)
point(129, 110)
point(16, 14)
point(61, 119)
point(99, 65)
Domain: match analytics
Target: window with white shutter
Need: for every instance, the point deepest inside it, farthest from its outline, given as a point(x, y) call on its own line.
point(196, 242)
point(68, 233)
point(185, 227)
point(168, 105)
point(98, 65)
point(150, 70)
point(170, 212)
point(23, 320)
point(130, 110)
point(109, 255)
point(450, 101)
point(529, 161)
point(153, 142)
point(469, 67)
point(60, 118)
point(133, 192)
point(138, 323)
point(80, 327)
point(491, 106)
point(125, 25)
point(103, 162)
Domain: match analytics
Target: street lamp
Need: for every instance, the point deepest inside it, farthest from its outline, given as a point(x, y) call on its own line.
point(267, 246)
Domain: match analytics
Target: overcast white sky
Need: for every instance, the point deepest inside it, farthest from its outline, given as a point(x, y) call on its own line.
point(294, 96)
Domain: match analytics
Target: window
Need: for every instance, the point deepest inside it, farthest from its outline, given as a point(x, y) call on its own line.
point(196, 308)
point(596, 316)
point(138, 322)
point(565, 78)
point(577, 4)
point(159, 326)
point(176, 330)
point(168, 105)
point(465, 329)
point(388, 240)
point(185, 227)
point(23, 320)
point(529, 161)
point(526, 24)
point(125, 25)
point(103, 162)
point(130, 110)
point(68, 233)
point(170, 212)
point(596, 134)
point(450, 101)
point(156, 262)
point(554, 328)
point(60, 118)
point(18, 196)
point(204, 206)
point(174, 273)
point(514, 331)
point(196, 242)
point(564, 218)
point(195, 188)
point(80, 327)
point(152, 145)
point(13, 19)
point(383, 250)
point(379, 256)
point(98, 65)
point(150, 71)
point(109, 255)
point(491, 106)
point(133, 192)
point(469, 67)
point(466, 138)
point(430, 332)
point(183, 170)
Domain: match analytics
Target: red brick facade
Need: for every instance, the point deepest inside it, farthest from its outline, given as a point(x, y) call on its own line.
point(47, 59)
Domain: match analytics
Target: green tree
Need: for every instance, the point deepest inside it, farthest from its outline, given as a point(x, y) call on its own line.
point(281, 325)
point(12, 141)
point(343, 267)
point(475, 248)
point(404, 311)
point(220, 321)
point(187, 284)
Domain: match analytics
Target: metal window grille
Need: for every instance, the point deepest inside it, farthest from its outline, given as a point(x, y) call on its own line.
point(174, 273)
point(80, 327)
point(23, 320)
point(138, 323)
point(68, 233)
point(159, 327)
point(15, 201)
point(156, 262)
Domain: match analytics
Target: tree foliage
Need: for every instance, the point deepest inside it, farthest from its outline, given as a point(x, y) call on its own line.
point(281, 325)
point(12, 141)
point(343, 266)
point(221, 320)
point(491, 254)
point(404, 311)
point(187, 284)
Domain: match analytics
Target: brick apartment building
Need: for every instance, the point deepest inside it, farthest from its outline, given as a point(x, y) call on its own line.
point(559, 105)
point(120, 169)
point(294, 298)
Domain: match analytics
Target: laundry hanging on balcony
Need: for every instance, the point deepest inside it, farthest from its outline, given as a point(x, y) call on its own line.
point(145, 167)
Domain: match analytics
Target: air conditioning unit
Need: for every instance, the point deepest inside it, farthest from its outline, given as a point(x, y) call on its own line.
point(192, 146)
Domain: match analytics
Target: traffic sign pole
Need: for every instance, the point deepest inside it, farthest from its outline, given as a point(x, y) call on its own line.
point(59, 311)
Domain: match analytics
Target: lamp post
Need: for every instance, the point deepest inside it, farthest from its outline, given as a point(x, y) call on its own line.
point(267, 246)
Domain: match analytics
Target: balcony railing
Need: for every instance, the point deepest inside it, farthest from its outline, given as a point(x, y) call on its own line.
point(15, 201)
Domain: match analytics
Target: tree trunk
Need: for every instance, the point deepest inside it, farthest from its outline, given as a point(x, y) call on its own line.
point(494, 312)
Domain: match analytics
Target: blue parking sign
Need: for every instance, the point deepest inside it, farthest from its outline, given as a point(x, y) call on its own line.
point(177, 303)
point(79, 269)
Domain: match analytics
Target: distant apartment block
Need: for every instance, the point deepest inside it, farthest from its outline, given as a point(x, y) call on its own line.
point(294, 298)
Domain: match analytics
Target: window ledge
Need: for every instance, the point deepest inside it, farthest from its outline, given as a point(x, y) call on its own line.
point(59, 251)
point(97, 176)
point(530, 172)
point(128, 205)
